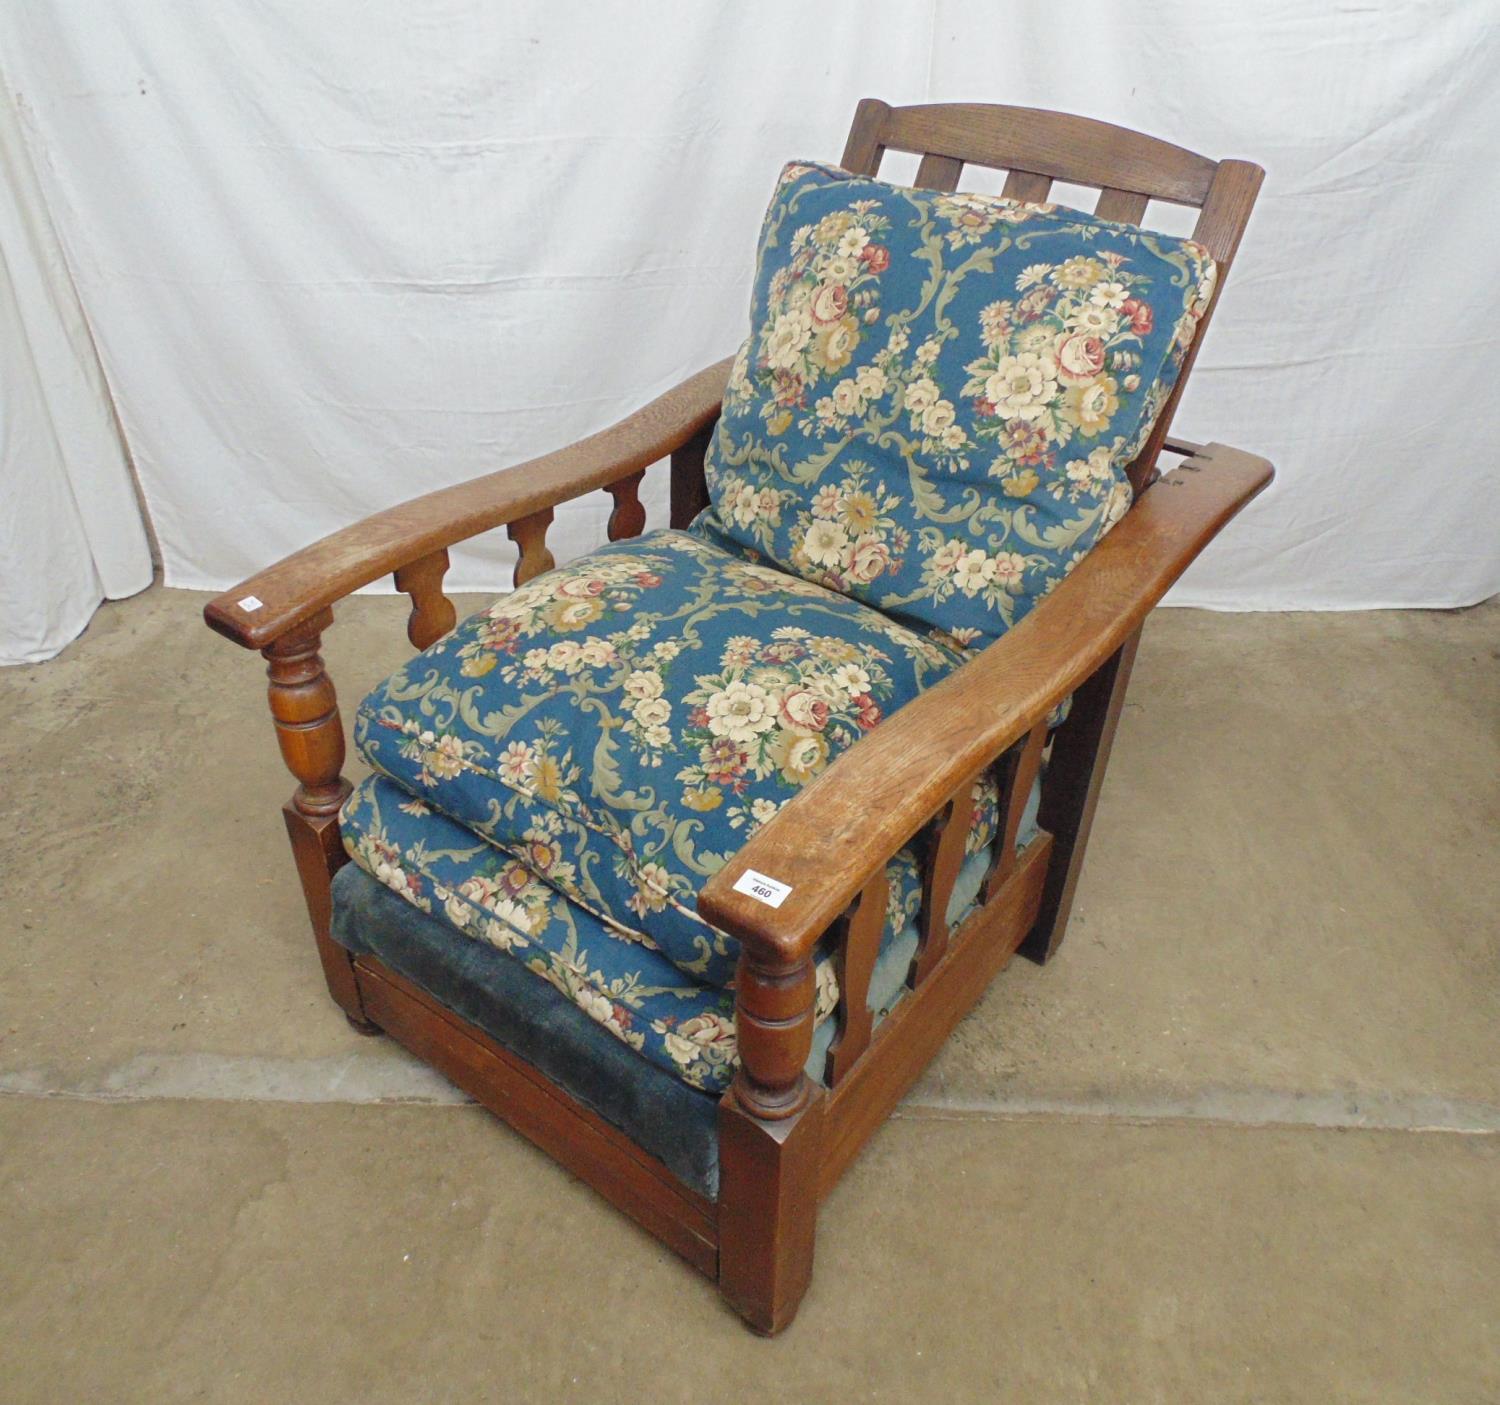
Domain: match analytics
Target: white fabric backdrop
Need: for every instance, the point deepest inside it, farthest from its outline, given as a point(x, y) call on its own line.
point(335, 255)
point(70, 530)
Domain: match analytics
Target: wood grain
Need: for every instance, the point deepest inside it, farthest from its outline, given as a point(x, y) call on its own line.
point(316, 577)
point(938, 172)
point(768, 1209)
point(856, 945)
point(1080, 756)
point(1018, 771)
point(1078, 150)
point(915, 1029)
point(570, 1133)
point(943, 845)
point(783, 1140)
point(432, 613)
point(829, 838)
point(1031, 186)
point(1220, 227)
point(1123, 206)
point(533, 557)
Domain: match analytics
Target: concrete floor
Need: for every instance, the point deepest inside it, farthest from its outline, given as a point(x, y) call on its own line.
point(1238, 1143)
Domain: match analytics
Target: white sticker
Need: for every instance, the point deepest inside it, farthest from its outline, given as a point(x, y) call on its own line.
point(250, 604)
point(762, 889)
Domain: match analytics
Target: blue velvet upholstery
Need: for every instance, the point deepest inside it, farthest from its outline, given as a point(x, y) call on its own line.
point(616, 975)
point(491, 987)
point(491, 990)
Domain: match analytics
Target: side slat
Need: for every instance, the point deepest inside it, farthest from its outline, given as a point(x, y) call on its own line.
point(432, 613)
point(942, 857)
point(1018, 772)
point(530, 536)
point(628, 518)
point(916, 1027)
point(857, 943)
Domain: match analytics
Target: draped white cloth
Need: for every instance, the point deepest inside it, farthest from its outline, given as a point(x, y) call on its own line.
point(335, 255)
point(70, 530)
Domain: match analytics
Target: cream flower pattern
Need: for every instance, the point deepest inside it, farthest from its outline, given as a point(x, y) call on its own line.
point(623, 757)
point(997, 367)
point(614, 975)
point(931, 416)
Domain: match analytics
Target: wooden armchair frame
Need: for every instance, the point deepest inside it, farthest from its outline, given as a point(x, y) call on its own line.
point(784, 1140)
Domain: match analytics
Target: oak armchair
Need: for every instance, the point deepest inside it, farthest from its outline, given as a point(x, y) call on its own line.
point(788, 1124)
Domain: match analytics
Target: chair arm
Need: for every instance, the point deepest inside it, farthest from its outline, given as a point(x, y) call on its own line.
point(308, 581)
point(829, 840)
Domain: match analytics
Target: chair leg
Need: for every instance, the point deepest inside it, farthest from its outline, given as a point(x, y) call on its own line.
point(311, 735)
point(768, 1210)
point(1070, 791)
point(319, 854)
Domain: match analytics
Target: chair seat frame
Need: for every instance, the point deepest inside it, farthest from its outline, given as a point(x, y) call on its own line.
point(784, 1139)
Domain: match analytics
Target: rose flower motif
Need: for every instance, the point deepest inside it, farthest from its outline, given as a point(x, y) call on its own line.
point(829, 304)
point(804, 711)
point(1080, 358)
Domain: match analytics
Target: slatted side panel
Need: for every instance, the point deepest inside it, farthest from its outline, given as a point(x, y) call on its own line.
point(1035, 149)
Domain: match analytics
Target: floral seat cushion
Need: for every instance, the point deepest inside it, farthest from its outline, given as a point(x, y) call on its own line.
point(618, 977)
point(940, 393)
point(625, 722)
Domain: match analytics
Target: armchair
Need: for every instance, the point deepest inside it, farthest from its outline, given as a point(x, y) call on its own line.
point(783, 1134)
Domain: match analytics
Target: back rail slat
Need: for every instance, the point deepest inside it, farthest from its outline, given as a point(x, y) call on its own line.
point(1124, 206)
point(1030, 186)
point(1075, 150)
point(939, 172)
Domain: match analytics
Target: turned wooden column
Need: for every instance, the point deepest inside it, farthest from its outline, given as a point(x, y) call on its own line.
point(311, 735)
point(770, 1124)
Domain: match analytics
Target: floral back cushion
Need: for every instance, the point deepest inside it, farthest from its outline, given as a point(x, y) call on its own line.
point(940, 393)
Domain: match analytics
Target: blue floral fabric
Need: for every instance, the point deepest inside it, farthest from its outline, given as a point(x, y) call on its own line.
point(622, 725)
point(616, 974)
point(940, 393)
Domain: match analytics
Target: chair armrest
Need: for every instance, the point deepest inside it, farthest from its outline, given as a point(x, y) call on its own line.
point(310, 580)
point(829, 840)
